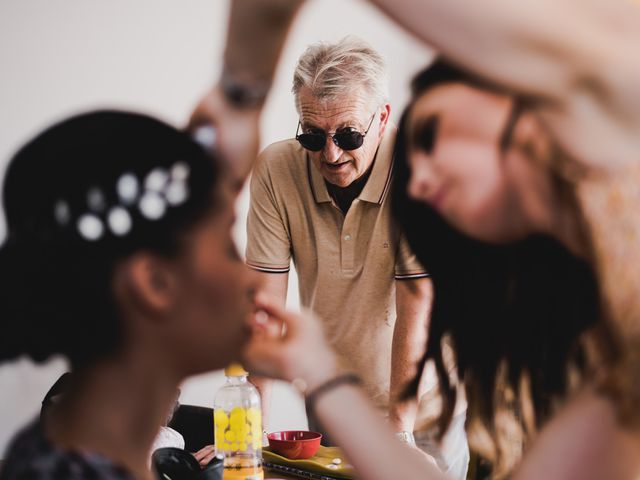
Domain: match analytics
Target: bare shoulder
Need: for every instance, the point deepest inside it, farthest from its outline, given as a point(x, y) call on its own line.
point(583, 441)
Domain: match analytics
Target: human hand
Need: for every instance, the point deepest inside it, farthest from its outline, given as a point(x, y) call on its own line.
point(299, 353)
point(234, 133)
point(205, 455)
point(423, 455)
point(402, 414)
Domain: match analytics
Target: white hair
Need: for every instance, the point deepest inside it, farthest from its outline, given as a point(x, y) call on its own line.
point(332, 70)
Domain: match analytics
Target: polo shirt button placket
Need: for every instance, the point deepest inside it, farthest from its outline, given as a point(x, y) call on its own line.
point(348, 252)
point(349, 235)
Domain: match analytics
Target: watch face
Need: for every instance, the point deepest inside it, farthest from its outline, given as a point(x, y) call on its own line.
point(406, 437)
point(243, 94)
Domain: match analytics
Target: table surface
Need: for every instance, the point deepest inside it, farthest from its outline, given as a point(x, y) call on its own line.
point(275, 475)
point(267, 474)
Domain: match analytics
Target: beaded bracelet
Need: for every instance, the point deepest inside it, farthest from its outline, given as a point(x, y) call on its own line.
point(313, 395)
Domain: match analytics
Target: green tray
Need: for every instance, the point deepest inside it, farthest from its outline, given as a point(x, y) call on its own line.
point(318, 464)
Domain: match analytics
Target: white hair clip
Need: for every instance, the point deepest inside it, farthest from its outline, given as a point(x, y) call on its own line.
point(90, 227)
point(152, 206)
point(206, 136)
point(156, 179)
point(62, 212)
point(119, 221)
point(128, 188)
point(161, 189)
point(177, 193)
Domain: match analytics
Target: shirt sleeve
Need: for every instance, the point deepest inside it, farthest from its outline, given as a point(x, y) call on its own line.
point(408, 267)
point(268, 240)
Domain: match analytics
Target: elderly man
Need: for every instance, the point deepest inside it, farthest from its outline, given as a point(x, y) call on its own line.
point(321, 199)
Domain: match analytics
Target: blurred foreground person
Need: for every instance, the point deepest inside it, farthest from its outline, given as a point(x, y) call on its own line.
point(572, 65)
point(480, 197)
point(119, 257)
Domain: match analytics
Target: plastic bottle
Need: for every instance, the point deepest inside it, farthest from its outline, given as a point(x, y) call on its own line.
point(237, 419)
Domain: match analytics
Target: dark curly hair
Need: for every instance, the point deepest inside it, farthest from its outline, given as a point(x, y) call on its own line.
point(55, 283)
point(528, 310)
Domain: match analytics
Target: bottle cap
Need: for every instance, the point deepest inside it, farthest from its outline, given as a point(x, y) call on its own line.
point(235, 370)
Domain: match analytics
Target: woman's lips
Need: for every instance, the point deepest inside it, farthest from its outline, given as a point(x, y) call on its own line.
point(437, 198)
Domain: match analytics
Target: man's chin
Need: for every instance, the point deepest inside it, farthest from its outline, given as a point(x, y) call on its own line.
point(341, 181)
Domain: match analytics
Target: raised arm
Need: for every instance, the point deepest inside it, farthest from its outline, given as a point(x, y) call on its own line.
point(574, 59)
point(585, 440)
point(274, 285)
point(255, 37)
point(257, 31)
point(413, 304)
point(538, 47)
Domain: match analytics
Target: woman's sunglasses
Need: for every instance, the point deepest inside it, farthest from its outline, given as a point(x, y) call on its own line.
point(347, 140)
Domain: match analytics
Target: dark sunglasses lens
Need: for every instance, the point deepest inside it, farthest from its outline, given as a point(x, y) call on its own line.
point(312, 141)
point(349, 140)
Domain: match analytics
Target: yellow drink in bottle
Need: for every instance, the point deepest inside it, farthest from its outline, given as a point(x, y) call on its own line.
point(237, 420)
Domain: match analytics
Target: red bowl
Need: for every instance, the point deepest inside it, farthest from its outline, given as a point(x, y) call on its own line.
point(295, 444)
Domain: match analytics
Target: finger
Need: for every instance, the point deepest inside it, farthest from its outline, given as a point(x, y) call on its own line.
point(290, 320)
point(261, 351)
point(202, 113)
point(267, 325)
point(199, 455)
point(206, 460)
point(424, 456)
point(204, 451)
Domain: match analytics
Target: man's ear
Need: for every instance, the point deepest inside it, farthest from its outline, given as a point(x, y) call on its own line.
point(385, 112)
point(151, 282)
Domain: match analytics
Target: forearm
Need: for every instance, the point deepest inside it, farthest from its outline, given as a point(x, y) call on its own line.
point(362, 434)
point(413, 303)
point(402, 412)
point(538, 48)
point(275, 287)
point(256, 35)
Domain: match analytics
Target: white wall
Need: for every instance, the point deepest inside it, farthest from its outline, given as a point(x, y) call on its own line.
point(157, 56)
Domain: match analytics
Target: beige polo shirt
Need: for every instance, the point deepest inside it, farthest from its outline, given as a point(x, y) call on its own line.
point(346, 264)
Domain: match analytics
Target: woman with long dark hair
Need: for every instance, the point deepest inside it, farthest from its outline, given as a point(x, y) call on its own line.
point(119, 257)
point(522, 310)
point(516, 296)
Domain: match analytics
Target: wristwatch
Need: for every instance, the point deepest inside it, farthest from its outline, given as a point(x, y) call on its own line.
point(242, 94)
point(406, 437)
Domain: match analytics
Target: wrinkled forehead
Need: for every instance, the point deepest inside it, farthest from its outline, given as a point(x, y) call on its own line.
point(462, 109)
point(352, 109)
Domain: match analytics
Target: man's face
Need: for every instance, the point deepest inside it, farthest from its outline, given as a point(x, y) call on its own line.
point(351, 112)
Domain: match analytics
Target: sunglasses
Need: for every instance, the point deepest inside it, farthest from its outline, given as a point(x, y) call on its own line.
point(345, 140)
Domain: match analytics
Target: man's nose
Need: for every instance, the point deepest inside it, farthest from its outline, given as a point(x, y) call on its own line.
point(332, 152)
